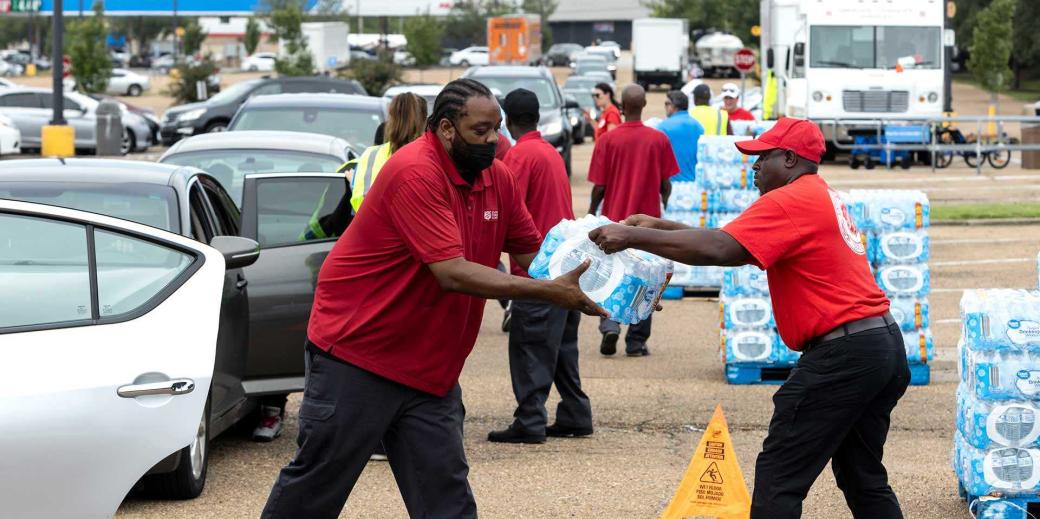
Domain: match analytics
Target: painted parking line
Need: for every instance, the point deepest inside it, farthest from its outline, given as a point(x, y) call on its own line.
point(946, 321)
point(980, 262)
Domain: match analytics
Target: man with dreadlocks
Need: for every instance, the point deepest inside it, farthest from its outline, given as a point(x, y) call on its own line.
point(396, 312)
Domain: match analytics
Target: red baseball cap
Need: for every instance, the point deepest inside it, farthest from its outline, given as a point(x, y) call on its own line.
point(798, 135)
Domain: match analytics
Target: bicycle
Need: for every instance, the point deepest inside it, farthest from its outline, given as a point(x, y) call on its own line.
point(998, 159)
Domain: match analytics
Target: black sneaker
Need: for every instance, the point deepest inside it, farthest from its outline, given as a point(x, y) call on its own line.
point(510, 435)
point(562, 431)
point(637, 350)
point(608, 346)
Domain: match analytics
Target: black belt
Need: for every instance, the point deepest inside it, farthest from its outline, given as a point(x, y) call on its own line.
point(851, 327)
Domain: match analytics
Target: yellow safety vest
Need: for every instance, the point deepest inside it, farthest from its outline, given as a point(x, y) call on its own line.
point(769, 101)
point(369, 164)
point(713, 120)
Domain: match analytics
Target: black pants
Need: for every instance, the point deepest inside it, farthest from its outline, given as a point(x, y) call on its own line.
point(835, 406)
point(543, 349)
point(345, 412)
point(637, 334)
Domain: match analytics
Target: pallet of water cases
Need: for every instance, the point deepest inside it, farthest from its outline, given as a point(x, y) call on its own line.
point(746, 373)
point(990, 507)
point(674, 292)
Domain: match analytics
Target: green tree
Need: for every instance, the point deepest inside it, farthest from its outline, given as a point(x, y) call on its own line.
point(185, 89)
point(376, 75)
point(285, 20)
point(991, 45)
point(194, 35)
point(251, 39)
point(1025, 56)
point(467, 20)
point(734, 16)
point(424, 33)
point(544, 9)
point(91, 64)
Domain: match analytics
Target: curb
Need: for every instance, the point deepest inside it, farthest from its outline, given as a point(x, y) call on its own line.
point(991, 221)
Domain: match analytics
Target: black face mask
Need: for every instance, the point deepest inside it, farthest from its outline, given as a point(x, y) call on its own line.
point(471, 158)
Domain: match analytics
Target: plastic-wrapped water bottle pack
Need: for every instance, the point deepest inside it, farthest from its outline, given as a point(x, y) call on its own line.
point(746, 312)
point(688, 196)
point(1009, 471)
point(1001, 319)
point(920, 347)
point(911, 313)
point(746, 280)
point(986, 423)
point(697, 275)
point(723, 175)
point(721, 149)
point(732, 200)
point(898, 247)
point(904, 280)
point(889, 209)
point(628, 284)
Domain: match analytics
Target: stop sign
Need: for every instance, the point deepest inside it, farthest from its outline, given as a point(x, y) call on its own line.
point(66, 66)
point(744, 60)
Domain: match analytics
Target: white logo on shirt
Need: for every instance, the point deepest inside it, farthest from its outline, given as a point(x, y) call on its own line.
point(845, 225)
point(490, 216)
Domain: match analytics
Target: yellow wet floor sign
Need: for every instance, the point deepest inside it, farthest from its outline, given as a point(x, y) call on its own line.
point(713, 485)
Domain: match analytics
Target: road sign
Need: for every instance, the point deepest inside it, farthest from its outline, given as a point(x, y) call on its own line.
point(744, 60)
point(20, 6)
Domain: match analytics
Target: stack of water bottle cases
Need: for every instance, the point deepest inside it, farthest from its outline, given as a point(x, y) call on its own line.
point(721, 188)
point(997, 442)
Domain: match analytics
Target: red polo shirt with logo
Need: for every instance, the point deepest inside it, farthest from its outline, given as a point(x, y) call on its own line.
point(541, 178)
point(377, 304)
point(631, 162)
point(814, 258)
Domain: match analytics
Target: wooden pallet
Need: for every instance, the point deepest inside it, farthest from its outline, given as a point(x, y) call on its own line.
point(986, 507)
point(680, 292)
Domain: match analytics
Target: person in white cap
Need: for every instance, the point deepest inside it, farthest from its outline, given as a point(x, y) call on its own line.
point(731, 103)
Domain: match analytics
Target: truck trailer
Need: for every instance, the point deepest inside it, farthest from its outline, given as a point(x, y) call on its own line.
point(660, 51)
point(836, 61)
point(514, 39)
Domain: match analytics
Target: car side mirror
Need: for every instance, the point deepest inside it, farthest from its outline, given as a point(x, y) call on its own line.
point(238, 252)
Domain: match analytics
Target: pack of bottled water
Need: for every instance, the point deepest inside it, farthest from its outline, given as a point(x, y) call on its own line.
point(746, 312)
point(1001, 319)
point(904, 280)
point(920, 347)
point(898, 247)
point(911, 313)
point(1007, 471)
point(724, 175)
point(733, 200)
point(987, 423)
point(696, 275)
point(757, 346)
point(751, 128)
point(746, 280)
point(889, 209)
point(721, 149)
point(694, 219)
point(1002, 375)
point(688, 196)
point(628, 284)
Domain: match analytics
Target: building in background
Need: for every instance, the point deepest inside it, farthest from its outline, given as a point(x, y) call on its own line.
point(610, 20)
point(224, 36)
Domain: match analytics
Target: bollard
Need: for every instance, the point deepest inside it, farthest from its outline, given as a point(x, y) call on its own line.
point(57, 141)
point(109, 129)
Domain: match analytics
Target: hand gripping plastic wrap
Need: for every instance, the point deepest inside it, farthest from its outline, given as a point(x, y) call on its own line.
point(628, 284)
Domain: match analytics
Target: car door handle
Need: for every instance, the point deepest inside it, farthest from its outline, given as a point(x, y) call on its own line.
point(177, 386)
point(242, 282)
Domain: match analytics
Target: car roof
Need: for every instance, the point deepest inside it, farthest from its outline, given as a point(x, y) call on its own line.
point(263, 139)
point(93, 171)
point(423, 89)
point(507, 71)
point(318, 100)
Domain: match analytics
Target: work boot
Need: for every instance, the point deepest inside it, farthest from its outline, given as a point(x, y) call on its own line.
point(562, 431)
point(511, 435)
point(637, 349)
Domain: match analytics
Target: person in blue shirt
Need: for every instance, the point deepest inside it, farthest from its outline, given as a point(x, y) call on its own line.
point(683, 131)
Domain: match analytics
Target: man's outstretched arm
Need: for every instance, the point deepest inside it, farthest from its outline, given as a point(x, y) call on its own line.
point(689, 246)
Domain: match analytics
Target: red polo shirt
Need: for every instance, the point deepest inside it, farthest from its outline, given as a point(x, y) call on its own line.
point(801, 234)
point(740, 114)
point(502, 147)
point(377, 304)
point(631, 162)
point(611, 115)
point(542, 181)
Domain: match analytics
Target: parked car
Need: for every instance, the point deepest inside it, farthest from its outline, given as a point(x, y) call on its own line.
point(575, 117)
point(360, 55)
point(126, 82)
point(31, 110)
point(600, 76)
point(147, 113)
point(120, 57)
point(584, 66)
point(164, 63)
point(9, 69)
point(553, 124)
point(614, 46)
point(259, 62)
point(404, 58)
point(215, 113)
point(132, 312)
point(230, 156)
point(426, 91)
point(266, 300)
point(583, 96)
point(580, 82)
point(353, 118)
point(10, 137)
point(469, 56)
point(141, 61)
point(560, 54)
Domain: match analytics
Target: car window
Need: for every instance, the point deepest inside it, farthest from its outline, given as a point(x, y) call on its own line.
point(47, 280)
point(356, 126)
point(224, 210)
point(131, 271)
point(542, 88)
point(229, 166)
point(23, 100)
point(149, 204)
point(285, 208)
point(201, 224)
point(266, 90)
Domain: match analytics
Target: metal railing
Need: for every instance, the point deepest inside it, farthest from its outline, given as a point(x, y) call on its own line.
point(998, 143)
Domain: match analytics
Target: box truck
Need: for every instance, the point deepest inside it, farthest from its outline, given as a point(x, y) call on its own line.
point(660, 51)
point(514, 39)
point(327, 42)
point(841, 60)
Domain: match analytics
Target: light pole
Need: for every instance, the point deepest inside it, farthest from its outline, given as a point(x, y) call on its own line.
point(58, 66)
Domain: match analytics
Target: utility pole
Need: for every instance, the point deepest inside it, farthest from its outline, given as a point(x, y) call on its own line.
point(58, 66)
point(950, 11)
point(175, 29)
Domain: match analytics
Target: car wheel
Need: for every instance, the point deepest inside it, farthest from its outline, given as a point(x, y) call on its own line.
point(218, 126)
point(129, 142)
point(253, 68)
point(134, 90)
point(189, 478)
point(464, 63)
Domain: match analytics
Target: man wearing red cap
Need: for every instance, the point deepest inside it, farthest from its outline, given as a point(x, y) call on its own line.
point(836, 405)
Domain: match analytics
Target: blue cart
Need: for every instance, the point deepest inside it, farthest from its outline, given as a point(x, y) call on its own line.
point(866, 154)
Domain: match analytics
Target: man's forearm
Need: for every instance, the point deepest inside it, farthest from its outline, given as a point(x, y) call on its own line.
point(477, 280)
point(689, 246)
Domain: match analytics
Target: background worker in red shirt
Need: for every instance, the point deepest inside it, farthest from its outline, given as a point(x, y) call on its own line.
point(731, 103)
point(630, 169)
point(543, 338)
point(609, 115)
point(397, 310)
point(836, 405)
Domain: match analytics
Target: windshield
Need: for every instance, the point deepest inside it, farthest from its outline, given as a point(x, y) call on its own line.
point(357, 126)
point(584, 68)
point(234, 91)
point(582, 96)
point(541, 88)
point(578, 82)
point(149, 204)
point(869, 46)
point(229, 166)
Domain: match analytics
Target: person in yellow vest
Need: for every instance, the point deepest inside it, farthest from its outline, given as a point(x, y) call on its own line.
point(714, 120)
point(769, 110)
